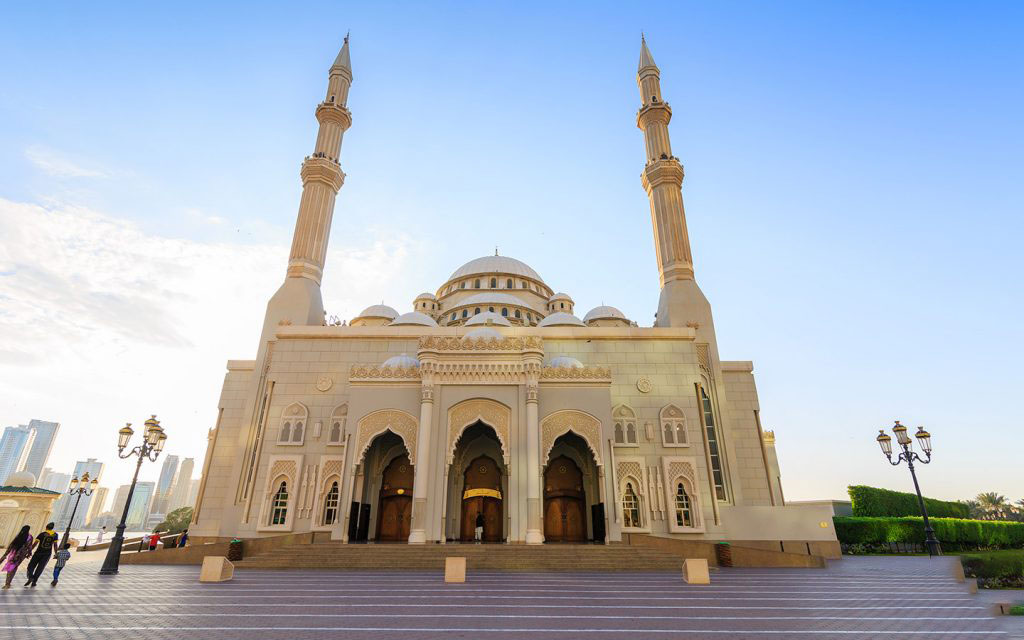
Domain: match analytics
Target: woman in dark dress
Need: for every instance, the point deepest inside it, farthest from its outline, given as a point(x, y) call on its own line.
point(19, 549)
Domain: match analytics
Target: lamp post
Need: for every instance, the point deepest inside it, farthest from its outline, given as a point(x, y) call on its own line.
point(152, 445)
point(924, 440)
point(79, 487)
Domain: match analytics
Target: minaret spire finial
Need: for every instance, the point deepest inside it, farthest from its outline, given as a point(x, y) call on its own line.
point(646, 59)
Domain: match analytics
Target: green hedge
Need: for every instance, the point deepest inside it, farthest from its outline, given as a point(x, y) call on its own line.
point(995, 569)
point(961, 534)
point(872, 502)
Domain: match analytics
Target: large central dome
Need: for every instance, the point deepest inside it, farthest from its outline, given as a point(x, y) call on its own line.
point(495, 264)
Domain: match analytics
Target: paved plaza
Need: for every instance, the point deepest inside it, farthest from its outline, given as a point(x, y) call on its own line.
point(854, 598)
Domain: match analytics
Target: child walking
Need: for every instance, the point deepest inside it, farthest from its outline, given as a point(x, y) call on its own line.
point(62, 559)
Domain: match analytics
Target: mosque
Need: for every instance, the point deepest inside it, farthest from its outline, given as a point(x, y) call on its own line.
point(493, 398)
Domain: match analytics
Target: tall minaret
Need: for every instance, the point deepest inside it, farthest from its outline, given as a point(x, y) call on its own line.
point(299, 301)
point(681, 303)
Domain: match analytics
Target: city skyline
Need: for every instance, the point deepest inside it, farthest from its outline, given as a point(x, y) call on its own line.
point(826, 232)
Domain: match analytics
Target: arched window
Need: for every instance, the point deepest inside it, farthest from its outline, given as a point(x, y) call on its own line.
point(494, 283)
point(713, 447)
point(491, 309)
point(684, 515)
point(298, 432)
point(338, 417)
point(519, 314)
point(504, 311)
point(631, 433)
point(673, 426)
point(618, 433)
point(331, 505)
point(476, 311)
point(681, 432)
point(279, 504)
point(529, 317)
point(668, 433)
point(561, 305)
point(453, 315)
point(465, 313)
point(630, 507)
point(476, 283)
point(335, 435)
point(508, 283)
point(286, 432)
point(524, 284)
point(462, 285)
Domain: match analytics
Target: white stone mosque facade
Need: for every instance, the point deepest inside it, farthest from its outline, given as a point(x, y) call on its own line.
point(494, 395)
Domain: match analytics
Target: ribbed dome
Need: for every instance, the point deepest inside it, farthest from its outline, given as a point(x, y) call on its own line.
point(560, 296)
point(602, 312)
point(21, 479)
point(404, 361)
point(484, 317)
point(495, 264)
point(564, 361)
point(414, 318)
point(428, 296)
point(485, 333)
point(378, 311)
point(561, 319)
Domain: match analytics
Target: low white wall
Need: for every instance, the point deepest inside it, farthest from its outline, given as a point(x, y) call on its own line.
point(801, 522)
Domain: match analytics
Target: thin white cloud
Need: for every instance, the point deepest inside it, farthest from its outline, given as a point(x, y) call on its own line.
point(58, 164)
point(102, 322)
point(199, 215)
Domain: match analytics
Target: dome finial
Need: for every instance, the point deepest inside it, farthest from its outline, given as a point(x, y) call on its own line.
point(495, 249)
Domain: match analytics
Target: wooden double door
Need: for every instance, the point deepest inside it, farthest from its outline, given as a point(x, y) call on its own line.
point(481, 495)
point(565, 518)
point(394, 510)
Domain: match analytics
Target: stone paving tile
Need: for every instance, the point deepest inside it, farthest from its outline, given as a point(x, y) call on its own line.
point(854, 598)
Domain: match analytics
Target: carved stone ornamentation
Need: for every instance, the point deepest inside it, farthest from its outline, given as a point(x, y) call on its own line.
point(623, 469)
point(427, 393)
point(376, 373)
point(324, 383)
point(582, 424)
point(532, 393)
point(704, 358)
point(280, 468)
point(596, 374)
point(466, 413)
point(398, 422)
point(507, 344)
point(643, 384)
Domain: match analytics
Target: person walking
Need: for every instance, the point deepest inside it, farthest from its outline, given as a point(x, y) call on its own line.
point(183, 538)
point(46, 545)
point(145, 542)
point(478, 533)
point(62, 559)
point(19, 549)
point(153, 540)
point(99, 536)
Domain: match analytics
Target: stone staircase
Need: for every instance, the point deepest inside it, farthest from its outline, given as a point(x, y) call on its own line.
point(501, 557)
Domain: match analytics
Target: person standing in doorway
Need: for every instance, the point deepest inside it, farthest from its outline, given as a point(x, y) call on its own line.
point(478, 533)
point(62, 559)
point(46, 545)
point(19, 549)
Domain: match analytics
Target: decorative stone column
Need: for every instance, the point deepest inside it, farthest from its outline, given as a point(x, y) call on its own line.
point(421, 471)
point(534, 532)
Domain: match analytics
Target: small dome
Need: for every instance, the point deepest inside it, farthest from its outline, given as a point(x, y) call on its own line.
point(426, 296)
point(603, 313)
point(413, 318)
point(495, 264)
point(404, 361)
point(488, 317)
point(561, 319)
point(564, 361)
point(378, 311)
point(484, 333)
point(560, 296)
point(21, 479)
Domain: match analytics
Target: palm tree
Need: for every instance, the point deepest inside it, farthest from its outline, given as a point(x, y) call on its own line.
point(993, 504)
point(974, 510)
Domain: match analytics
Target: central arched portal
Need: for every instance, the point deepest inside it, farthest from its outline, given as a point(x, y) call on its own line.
point(395, 511)
point(477, 486)
point(570, 489)
point(382, 499)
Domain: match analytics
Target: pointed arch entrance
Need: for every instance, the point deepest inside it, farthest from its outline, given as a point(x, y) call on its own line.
point(571, 488)
point(477, 486)
point(385, 490)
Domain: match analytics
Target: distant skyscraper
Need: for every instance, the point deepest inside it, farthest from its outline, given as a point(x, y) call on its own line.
point(164, 484)
point(42, 445)
point(142, 499)
point(193, 493)
point(179, 493)
point(50, 479)
point(14, 448)
point(120, 497)
point(96, 504)
point(94, 468)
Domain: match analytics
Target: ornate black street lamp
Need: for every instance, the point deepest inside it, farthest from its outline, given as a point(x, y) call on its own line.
point(924, 440)
point(152, 445)
point(79, 487)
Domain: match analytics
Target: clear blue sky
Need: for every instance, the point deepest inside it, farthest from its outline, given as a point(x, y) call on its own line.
point(852, 188)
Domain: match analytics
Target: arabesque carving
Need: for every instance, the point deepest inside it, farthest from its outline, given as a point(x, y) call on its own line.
point(398, 422)
point(363, 372)
point(452, 343)
point(630, 468)
point(597, 374)
point(282, 468)
point(492, 413)
point(582, 424)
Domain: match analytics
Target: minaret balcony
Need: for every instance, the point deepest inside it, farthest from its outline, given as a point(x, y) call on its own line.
point(320, 168)
point(667, 170)
point(333, 112)
point(653, 112)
